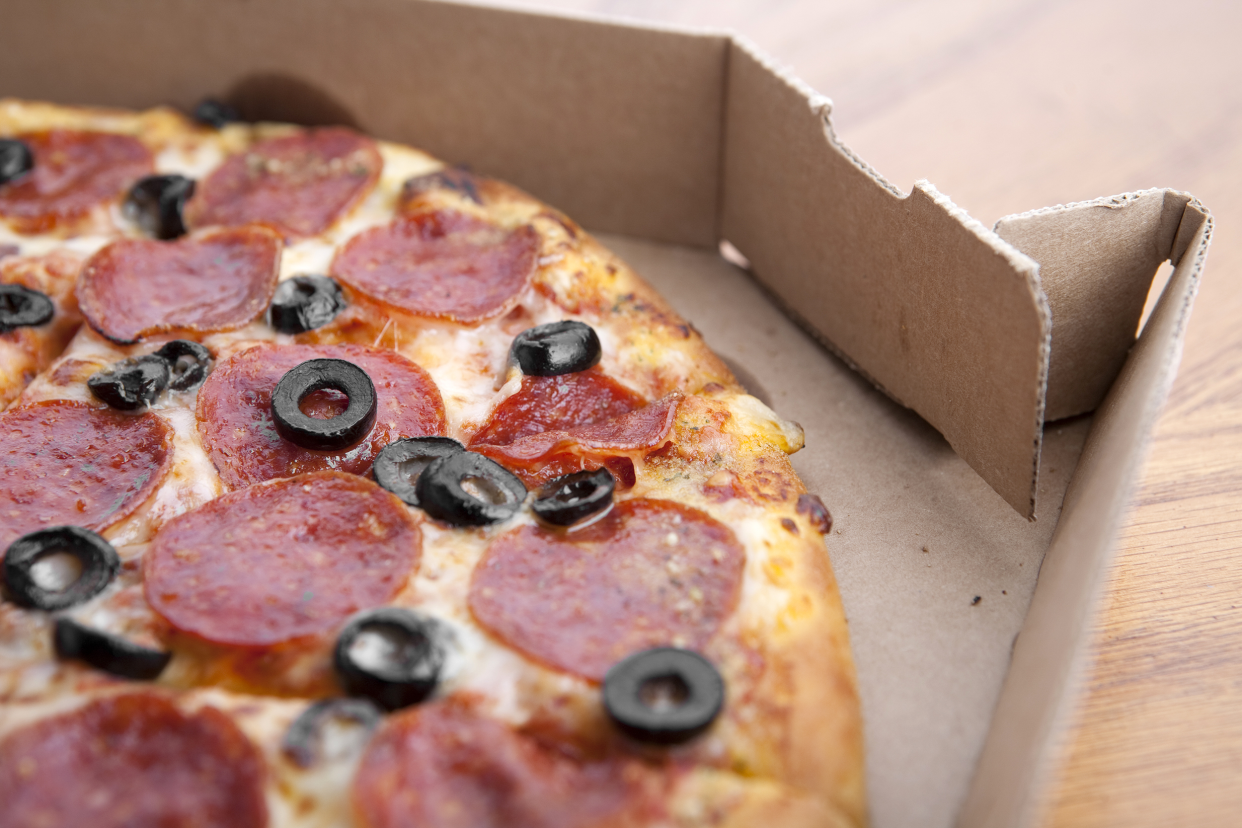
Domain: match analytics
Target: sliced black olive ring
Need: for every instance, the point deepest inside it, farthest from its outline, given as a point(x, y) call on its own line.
point(215, 114)
point(97, 560)
point(392, 656)
point(21, 307)
point(189, 363)
point(131, 383)
point(335, 433)
point(663, 696)
point(16, 160)
point(156, 204)
point(575, 497)
point(110, 653)
point(468, 489)
point(400, 464)
point(305, 303)
point(304, 743)
point(556, 348)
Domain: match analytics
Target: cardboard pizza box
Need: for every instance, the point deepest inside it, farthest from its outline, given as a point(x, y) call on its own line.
point(954, 381)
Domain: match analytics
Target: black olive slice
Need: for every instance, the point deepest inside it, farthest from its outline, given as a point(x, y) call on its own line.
point(97, 560)
point(21, 307)
point(468, 489)
point(110, 653)
point(189, 363)
point(131, 383)
point(556, 348)
point(392, 656)
point(16, 160)
point(304, 303)
point(304, 744)
point(339, 432)
point(156, 203)
point(400, 464)
point(575, 497)
point(215, 114)
point(663, 696)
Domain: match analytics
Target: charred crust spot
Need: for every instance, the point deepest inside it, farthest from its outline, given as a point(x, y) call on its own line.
point(571, 229)
point(814, 508)
point(770, 484)
point(72, 371)
point(456, 179)
point(712, 388)
point(789, 526)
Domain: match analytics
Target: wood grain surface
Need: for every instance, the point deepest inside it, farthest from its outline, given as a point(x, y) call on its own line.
point(1008, 105)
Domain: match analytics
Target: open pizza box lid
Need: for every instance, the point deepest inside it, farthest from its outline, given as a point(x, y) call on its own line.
point(995, 374)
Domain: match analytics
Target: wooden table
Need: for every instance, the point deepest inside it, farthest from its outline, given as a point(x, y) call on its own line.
point(1008, 105)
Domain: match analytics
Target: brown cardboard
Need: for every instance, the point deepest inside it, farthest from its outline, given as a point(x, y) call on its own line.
point(687, 138)
point(1098, 254)
point(1022, 746)
point(617, 125)
point(943, 315)
point(930, 661)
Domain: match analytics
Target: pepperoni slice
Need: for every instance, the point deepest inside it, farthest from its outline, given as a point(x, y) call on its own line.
point(64, 463)
point(442, 765)
point(212, 281)
point(299, 184)
point(73, 172)
point(133, 759)
point(538, 458)
point(235, 411)
point(556, 404)
point(287, 559)
point(441, 264)
point(650, 573)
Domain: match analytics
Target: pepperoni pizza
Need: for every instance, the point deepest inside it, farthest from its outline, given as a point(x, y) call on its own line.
point(341, 487)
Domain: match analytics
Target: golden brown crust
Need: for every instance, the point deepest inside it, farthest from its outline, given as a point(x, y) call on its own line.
point(585, 279)
point(24, 352)
point(711, 799)
point(787, 656)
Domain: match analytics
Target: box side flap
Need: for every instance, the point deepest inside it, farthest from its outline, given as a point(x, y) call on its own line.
point(941, 313)
point(633, 146)
point(1049, 656)
point(1096, 260)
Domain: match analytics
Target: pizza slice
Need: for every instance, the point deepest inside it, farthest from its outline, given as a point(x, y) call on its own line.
point(385, 495)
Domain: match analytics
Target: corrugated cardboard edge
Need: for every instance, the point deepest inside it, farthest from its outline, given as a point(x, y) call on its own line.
point(1024, 747)
point(942, 314)
point(1097, 260)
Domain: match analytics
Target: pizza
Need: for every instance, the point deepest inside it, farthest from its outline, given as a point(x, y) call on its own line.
point(342, 487)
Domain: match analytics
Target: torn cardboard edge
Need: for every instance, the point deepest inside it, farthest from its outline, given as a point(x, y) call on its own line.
point(1038, 701)
point(1087, 269)
point(984, 333)
point(1097, 254)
